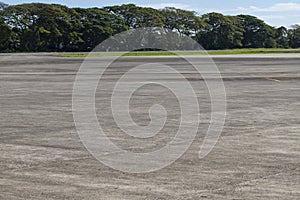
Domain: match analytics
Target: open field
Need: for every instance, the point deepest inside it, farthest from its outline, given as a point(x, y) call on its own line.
point(165, 53)
point(257, 156)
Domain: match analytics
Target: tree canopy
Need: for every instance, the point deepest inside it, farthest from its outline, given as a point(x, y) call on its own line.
point(52, 27)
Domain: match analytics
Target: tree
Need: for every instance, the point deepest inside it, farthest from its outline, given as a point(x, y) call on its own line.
point(5, 30)
point(97, 25)
point(42, 26)
point(137, 17)
point(52, 27)
point(294, 36)
point(185, 22)
point(221, 32)
point(257, 33)
point(282, 37)
point(5, 36)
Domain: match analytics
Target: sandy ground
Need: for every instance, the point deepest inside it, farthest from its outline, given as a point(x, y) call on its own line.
point(256, 157)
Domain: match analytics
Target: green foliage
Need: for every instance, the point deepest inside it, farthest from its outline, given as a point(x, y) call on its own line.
point(5, 36)
point(282, 37)
point(41, 27)
point(294, 36)
point(257, 34)
point(52, 27)
point(96, 26)
point(136, 17)
point(221, 32)
point(185, 22)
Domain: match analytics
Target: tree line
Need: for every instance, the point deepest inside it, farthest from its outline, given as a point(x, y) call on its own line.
point(52, 27)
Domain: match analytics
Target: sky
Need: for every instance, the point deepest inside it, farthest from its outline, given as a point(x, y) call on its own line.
point(274, 12)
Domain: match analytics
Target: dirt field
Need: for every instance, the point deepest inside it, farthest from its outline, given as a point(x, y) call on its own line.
point(256, 157)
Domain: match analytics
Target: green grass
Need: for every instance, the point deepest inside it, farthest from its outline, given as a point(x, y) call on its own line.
point(166, 53)
point(253, 51)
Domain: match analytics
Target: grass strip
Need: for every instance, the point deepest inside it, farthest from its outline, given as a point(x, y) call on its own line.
point(167, 53)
